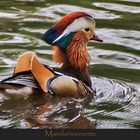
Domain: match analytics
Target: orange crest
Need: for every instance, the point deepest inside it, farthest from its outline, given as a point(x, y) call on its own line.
point(68, 19)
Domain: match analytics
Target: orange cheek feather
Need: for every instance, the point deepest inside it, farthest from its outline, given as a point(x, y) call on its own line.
point(58, 56)
point(89, 35)
point(77, 52)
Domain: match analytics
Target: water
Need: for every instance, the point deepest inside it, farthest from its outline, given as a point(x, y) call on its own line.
point(114, 65)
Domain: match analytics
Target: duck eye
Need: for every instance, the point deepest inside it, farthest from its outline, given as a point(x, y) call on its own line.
point(86, 29)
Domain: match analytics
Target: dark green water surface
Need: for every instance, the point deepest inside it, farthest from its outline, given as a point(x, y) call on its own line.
point(114, 64)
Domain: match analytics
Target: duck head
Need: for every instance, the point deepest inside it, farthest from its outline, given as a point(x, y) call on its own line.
point(70, 37)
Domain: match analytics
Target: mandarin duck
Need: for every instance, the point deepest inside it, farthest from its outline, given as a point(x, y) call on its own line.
point(68, 38)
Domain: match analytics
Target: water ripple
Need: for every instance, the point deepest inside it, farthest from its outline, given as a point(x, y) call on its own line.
point(114, 58)
point(116, 104)
point(64, 9)
point(8, 15)
point(131, 0)
point(118, 7)
point(112, 90)
point(9, 38)
point(129, 38)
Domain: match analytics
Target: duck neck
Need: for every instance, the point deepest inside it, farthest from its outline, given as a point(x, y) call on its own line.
point(75, 58)
point(81, 74)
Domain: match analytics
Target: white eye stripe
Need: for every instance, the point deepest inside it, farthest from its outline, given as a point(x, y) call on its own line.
point(76, 25)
